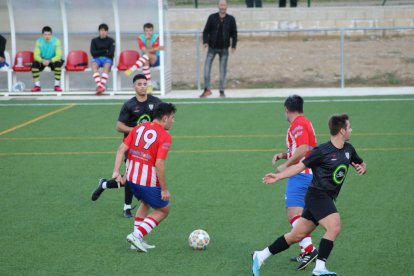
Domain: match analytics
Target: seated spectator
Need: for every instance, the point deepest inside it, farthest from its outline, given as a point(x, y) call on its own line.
point(102, 51)
point(149, 45)
point(2, 49)
point(47, 53)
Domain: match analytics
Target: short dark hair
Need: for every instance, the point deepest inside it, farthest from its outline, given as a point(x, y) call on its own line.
point(294, 103)
point(139, 77)
point(148, 26)
point(164, 109)
point(337, 122)
point(103, 26)
point(46, 29)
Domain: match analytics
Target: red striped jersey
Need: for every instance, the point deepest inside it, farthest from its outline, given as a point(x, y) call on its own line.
point(146, 142)
point(300, 132)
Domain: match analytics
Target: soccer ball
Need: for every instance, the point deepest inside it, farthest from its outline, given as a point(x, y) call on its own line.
point(199, 239)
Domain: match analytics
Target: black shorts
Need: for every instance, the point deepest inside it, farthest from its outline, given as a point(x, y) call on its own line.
point(319, 204)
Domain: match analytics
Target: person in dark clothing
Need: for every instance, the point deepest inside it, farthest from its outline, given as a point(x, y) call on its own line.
point(329, 163)
point(254, 3)
point(102, 51)
point(293, 3)
point(3, 42)
point(219, 30)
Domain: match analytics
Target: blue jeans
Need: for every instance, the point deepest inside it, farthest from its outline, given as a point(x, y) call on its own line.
point(223, 57)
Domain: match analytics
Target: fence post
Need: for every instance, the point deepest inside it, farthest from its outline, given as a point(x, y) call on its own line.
point(198, 60)
point(342, 59)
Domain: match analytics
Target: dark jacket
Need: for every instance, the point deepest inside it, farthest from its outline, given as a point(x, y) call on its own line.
point(2, 46)
point(103, 47)
point(229, 30)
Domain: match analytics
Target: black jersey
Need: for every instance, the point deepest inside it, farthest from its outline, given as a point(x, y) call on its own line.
point(134, 112)
point(330, 166)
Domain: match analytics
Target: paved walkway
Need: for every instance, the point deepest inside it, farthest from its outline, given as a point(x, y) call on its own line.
point(237, 93)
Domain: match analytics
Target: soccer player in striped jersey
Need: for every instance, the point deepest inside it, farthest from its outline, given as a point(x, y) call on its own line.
point(135, 111)
point(329, 162)
point(300, 140)
point(147, 146)
point(149, 46)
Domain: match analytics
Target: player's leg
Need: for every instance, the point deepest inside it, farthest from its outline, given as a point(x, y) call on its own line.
point(105, 74)
point(146, 70)
point(223, 57)
point(304, 227)
point(296, 188)
point(324, 211)
point(37, 67)
point(138, 64)
point(332, 225)
point(151, 196)
point(104, 184)
point(207, 72)
point(140, 215)
point(96, 64)
point(57, 69)
point(128, 195)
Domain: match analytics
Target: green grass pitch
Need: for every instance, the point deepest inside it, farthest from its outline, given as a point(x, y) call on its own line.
point(221, 149)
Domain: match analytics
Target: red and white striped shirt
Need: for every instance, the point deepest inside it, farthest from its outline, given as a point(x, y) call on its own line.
point(300, 132)
point(146, 143)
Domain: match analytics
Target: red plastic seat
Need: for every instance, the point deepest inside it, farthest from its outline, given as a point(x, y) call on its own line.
point(28, 59)
point(127, 58)
point(77, 61)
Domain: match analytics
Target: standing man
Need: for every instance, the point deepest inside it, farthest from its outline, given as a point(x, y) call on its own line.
point(147, 146)
point(219, 30)
point(137, 110)
point(329, 162)
point(102, 51)
point(149, 45)
point(3, 42)
point(300, 140)
point(48, 52)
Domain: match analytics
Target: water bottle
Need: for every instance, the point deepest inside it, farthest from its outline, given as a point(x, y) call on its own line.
point(19, 62)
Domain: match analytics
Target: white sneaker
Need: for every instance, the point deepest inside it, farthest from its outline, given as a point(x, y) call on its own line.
point(257, 263)
point(146, 245)
point(136, 242)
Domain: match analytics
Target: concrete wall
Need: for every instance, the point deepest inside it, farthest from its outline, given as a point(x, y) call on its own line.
point(302, 18)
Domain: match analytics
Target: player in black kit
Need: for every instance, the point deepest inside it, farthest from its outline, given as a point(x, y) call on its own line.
point(135, 111)
point(329, 163)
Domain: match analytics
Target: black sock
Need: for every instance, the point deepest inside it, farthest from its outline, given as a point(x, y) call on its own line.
point(111, 184)
point(128, 194)
point(325, 248)
point(278, 245)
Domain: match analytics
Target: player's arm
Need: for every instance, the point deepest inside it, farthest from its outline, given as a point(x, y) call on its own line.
point(360, 168)
point(120, 153)
point(279, 156)
point(288, 172)
point(299, 153)
point(160, 167)
point(122, 127)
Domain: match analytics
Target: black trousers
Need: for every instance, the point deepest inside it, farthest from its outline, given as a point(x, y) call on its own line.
point(293, 3)
point(254, 3)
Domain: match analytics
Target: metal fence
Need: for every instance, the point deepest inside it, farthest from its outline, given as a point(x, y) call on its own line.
point(342, 34)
